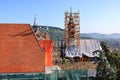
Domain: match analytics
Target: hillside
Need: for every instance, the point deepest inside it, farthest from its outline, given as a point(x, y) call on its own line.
point(114, 36)
point(112, 40)
point(57, 33)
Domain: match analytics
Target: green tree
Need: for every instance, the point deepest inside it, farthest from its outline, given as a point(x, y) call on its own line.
point(106, 64)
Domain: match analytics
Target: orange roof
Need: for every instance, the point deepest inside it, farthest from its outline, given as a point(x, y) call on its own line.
point(19, 49)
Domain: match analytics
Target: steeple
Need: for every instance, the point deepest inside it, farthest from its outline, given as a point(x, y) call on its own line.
point(71, 18)
point(35, 24)
point(71, 12)
point(47, 36)
point(47, 29)
point(71, 22)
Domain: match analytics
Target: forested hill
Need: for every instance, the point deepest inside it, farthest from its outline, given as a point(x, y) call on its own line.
point(57, 33)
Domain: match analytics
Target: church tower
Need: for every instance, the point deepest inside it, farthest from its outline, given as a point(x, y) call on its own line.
point(72, 33)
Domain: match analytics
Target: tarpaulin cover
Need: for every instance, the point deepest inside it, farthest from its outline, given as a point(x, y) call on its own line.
point(73, 51)
point(86, 48)
point(47, 47)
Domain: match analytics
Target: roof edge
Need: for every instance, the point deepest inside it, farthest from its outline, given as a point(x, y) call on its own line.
point(36, 39)
point(14, 23)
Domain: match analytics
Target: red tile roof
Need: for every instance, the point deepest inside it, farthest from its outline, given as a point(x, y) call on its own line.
point(19, 49)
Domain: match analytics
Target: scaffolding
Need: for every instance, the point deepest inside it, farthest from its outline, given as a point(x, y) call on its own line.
point(72, 29)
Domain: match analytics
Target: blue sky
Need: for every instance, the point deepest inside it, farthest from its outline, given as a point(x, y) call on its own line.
point(102, 16)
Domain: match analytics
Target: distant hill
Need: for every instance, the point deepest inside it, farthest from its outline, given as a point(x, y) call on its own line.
point(114, 36)
point(58, 34)
point(112, 40)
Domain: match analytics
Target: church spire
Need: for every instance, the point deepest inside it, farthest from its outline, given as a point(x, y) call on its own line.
point(71, 18)
point(35, 24)
point(47, 29)
point(70, 11)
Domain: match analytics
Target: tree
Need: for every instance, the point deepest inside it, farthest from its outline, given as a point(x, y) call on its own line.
point(106, 64)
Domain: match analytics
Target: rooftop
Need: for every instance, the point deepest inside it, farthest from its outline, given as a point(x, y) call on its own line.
point(19, 49)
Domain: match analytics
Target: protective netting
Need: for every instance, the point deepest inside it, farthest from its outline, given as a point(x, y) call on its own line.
point(22, 76)
point(69, 75)
point(55, 75)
